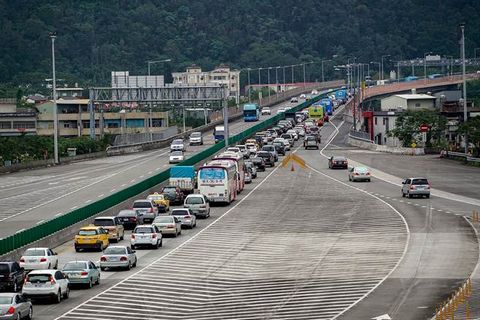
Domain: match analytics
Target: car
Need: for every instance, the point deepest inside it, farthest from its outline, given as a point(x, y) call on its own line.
point(337, 162)
point(417, 186)
point(174, 194)
point(160, 201)
point(272, 150)
point(11, 276)
point(198, 205)
point(281, 110)
point(294, 133)
point(314, 92)
point(248, 177)
point(259, 163)
point(359, 174)
point(186, 217)
point(118, 257)
point(266, 111)
point(286, 144)
point(168, 225)
point(50, 283)
point(243, 149)
point(15, 306)
point(273, 133)
point(39, 258)
point(129, 218)
point(146, 235)
point(176, 156)
point(289, 138)
point(251, 167)
point(303, 96)
point(310, 141)
point(113, 225)
point(91, 237)
point(293, 100)
point(267, 157)
point(252, 147)
point(146, 209)
point(195, 138)
point(177, 145)
point(82, 272)
point(300, 131)
point(235, 150)
point(279, 147)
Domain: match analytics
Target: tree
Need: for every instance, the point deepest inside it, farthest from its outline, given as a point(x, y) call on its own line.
point(472, 129)
point(407, 127)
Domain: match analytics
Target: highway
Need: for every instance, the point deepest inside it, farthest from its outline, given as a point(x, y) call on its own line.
point(31, 197)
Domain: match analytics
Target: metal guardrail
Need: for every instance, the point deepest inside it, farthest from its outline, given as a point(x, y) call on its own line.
point(50, 227)
point(360, 135)
point(452, 154)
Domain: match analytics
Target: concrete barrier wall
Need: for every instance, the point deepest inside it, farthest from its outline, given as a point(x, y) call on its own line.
point(364, 144)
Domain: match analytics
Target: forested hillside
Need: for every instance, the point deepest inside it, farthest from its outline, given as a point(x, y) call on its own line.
point(95, 37)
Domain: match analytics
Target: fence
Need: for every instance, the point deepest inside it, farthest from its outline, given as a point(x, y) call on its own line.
point(461, 155)
point(52, 226)
point(132, 138)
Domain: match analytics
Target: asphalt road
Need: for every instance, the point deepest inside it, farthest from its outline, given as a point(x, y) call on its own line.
point(31, 197)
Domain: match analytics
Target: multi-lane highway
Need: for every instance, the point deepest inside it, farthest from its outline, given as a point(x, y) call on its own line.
point(303, 244)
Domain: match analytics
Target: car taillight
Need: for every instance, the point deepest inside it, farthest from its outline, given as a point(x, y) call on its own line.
point(368, 173)
point(412, 187)
point(43, 260)
point(133, 219)
point(11, 310)
point(103, 259)
point(22, 260)
point(154, 236)
point(133, 236)
point(52, 280)
point(123, 258)
point(356, 173)
point(26, 280)
point(84, 273)
point(171, 226)
point(187, 217)
point(151, 210)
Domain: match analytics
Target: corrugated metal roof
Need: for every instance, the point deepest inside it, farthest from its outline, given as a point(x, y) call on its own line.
point(414, 96)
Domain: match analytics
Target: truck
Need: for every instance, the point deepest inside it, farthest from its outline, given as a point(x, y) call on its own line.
point(327, 104)
point(315, 112)
point(251, 112)
point(341, 95)
point(183, 177)
point(219, 133)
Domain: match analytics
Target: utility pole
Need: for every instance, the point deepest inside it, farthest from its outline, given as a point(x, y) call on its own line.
point(225, 122)
point(268, 77)
point(304, 77)
point(293, 75)
point(383, 71)
point(248, 76)
point(53, 36)
point(464, 83)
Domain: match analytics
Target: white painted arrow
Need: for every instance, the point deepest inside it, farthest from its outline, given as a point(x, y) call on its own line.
point(382, 317)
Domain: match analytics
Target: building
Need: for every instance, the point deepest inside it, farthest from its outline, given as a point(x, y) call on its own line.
point(123, 79)
point(15, 121)
point(222, 75)
point(382, 122)
point(74, 120)
point(408, 102)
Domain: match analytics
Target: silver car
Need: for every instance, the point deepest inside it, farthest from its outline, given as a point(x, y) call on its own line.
point(146, 235)
point(118, 257)
point(168, 225)
point(177, 144)
point(15, 306)
point(198, 205)
point(196, 138)
point(416, 187)
point(176, 157)
point(186, 217)
point(146, 209)
point(359, 174)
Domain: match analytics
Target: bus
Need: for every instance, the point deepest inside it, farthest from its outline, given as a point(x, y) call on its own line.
point(315, 112)
point(239, 163)
point(251, 112)
point(219, 133)
point(217, 181)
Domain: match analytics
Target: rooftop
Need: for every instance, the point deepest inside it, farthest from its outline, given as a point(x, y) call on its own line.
point(414, 96)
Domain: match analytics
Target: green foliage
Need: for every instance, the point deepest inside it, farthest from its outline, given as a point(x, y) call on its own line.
point(473, 91)
point(407, 127)
point(472, 129)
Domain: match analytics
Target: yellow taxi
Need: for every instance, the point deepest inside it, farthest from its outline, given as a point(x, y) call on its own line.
point(162, 203)
point(91, 237)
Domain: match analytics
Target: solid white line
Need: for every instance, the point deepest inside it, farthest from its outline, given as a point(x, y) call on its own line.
point(176, 248)
point(100, 195)
point(142, 176)
point(113, 190)
point(74, 207)
point(58, 214)
point(18, 231)
point(40, 222)
point(123, 185)
point(133, 180)
point(88, 201)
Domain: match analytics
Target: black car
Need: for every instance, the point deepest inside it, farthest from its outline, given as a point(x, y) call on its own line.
point(174, 194)
point(338, 162)
point(267, 157)
point(250, 166)
point(280, 148)
point(259, 163)
point(12, 276)
point(129, 218)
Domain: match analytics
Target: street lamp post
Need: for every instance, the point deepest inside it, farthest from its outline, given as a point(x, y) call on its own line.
point(304, 77)
point(155, 61)
point(379, 66)
point(425, 65)
point(326, 60)
point(293, 74)
point(53, 36)
point(384, 56)
point(248, 76)
point(464, 83)
point(268, 80)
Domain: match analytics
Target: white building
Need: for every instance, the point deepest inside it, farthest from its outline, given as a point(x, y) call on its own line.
point(222, 74)
point(384, 121)
point(408, 102)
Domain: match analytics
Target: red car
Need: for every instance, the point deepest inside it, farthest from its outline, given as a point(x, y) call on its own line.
point(320, 122)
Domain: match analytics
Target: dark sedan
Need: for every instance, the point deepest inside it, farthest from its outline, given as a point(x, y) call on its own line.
point(259, 163)
point(129, 218)
point(174, 194)
point(267, 157)
point(338, 162)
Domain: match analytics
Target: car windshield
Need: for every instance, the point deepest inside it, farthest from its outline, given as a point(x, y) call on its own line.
point(177, 141)
point(361, 169)
point(4, 268)
point(5, 300)
point(104, 222)
point(196, 135)
point(339, 159)
point(180, 212)
point(176, 153)
point(142, 204)
point(143, 230)
point(70, 266)
point(34, 253)
point(115, 250)
point(263, 154)
point(163, 220)
point(126, 213)
point(268, 148)
point(38, 278)
point(194, 200)
point(418, 182)
point(155, 197)
point(169, 190)
point(87, 232)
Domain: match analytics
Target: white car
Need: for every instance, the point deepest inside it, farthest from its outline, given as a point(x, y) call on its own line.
point(300, 131)
point(303, 96)
point(281, 110)
point(285, 142)
point(251, 147)
point(294, 133)
point(294, 100)
point(177, 144)
point(198, 204)
point(314, 92)
point(244, 150)
point(196, 138)
point(176, 156)
point(39, 259)
point(359, 174)
point(49, 283)
point(146, 235)
point(118, 257)
point(235, 150)
point(266, 111)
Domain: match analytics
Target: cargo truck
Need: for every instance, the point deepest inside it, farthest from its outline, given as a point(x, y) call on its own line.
point(183, 177)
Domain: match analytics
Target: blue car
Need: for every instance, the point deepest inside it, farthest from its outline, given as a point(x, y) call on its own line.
point(82, 272)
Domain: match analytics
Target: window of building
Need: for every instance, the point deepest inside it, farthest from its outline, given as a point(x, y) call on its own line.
point(24, 125)
point(375, 121)
point(157, 122)
point(417, 105)
point(384, 120)
point(5, 125)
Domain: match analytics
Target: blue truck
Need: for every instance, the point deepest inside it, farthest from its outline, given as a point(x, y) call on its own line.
point(251, 112)
point(327, 104)
point(183, 177)
point(219, 133)
point(341, 95)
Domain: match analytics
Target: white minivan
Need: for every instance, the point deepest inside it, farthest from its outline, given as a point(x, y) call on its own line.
point(198, 204)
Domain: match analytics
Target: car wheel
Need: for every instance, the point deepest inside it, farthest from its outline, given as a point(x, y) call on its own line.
point(123, 236)
point(77, 250)
point(18, 317)
point(161, 243)
point(155, 246)
point(129, 266)
point(103, 268)
point(90, 283)
point(30, 314)
point(410, 195)
point(133, 247)
point(135, 263)
point(180, 232)
point(369, 180)
point(67, 293)
point(427, 196)
point(98, 280)
point(58, 297)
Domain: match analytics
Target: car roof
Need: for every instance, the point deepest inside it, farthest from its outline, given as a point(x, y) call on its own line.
point(415, 178)
point(8, 294)
point(193, 195)
point(144, 225)
point(105, 217)
point(51, 271)
point(90, 228)
point(38, 248)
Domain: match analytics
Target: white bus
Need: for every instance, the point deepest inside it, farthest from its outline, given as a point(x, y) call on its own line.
point(237, 158)
point(217, 180)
